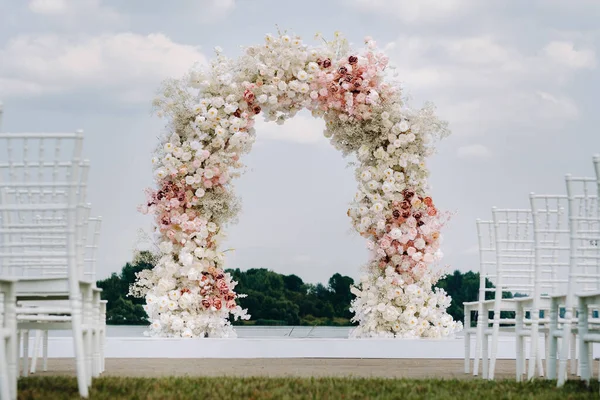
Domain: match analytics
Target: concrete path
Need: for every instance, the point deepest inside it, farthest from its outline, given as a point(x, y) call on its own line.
point(301, 367)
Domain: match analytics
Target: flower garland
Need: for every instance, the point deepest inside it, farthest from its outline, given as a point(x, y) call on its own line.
point(211, 115)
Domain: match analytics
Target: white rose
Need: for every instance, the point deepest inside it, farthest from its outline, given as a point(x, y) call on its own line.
point(177, 324)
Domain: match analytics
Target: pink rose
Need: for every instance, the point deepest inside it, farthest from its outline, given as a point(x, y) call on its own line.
point(231, 304)
point(385, 242)
point(206, 303)
point(222, 285)
point(217, 303)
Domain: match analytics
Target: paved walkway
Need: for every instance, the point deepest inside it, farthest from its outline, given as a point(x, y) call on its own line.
point(301, 367)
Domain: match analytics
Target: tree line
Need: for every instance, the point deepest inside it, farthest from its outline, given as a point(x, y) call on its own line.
point(277, 299)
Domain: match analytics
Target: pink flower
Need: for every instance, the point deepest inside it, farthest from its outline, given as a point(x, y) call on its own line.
point(222, 286)
point(206, 303)
point(207, 183)
point(223, 178)
point(217, 303)
point(204, 154)
point(385, 242)
point(248, 96)
point(410, 251)
point(231, 304)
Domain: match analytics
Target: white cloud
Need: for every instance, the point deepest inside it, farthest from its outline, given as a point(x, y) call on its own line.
point(474, 151)
point(562, 52)
point(480, 83)
point(128, 64)
point(300, 129)
point(76, 13)
point(411, 11)
point(48, 7)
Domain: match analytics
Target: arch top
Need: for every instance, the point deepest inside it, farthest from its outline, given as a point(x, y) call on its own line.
point(211, 116)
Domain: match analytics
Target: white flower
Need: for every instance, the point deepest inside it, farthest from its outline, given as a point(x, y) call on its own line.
point(212, 113)
point(187, 333)
point(373, 184)
point(166, 247)
point(156, 325)
point(177, 324)
point(377, 207)
point(302, 75)
point(403, 126)
point(365, 175)
point(160, 173)
point(200, 192)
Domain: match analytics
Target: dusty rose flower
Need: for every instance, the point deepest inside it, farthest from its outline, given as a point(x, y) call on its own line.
point(206, 303)
point(248, 96)
point(217, 303)
point(231, 304)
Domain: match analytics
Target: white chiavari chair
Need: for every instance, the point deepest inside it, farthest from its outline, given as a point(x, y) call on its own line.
point(487, 264)
point(514, 274)
point(90, 238)
point(584, 272)
point(8, 338)
point(48, 168)
point(551, 261)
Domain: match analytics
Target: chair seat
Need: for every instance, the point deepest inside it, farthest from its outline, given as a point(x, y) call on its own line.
point(43, 287)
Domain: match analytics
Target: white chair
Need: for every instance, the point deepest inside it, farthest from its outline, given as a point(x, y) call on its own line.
point(487, 265)
point(514, 273)
point(587, 303)
point(584, 266)
point(551, 261)
point(47, 166)
point(92, 234)
point(8, 337)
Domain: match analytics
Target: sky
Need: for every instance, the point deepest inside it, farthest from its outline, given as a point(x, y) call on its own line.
point(517, 81)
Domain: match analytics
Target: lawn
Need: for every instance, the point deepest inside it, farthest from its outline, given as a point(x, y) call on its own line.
point(50, 388)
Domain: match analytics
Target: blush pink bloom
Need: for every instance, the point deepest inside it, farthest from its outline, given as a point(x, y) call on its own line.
point(231, 304)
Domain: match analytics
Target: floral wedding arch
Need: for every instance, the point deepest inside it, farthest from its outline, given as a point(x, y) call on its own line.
point(211, 114)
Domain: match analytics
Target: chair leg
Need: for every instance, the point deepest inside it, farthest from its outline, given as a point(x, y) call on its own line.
point(540, 362)
point(26, 353)
point(12, 342)
point(36, 351)
point(19, 351)
point(77, 322)
point(45, 352)
point(573, 354)
point(4, 372)
point(485, 366)
point(467, 352)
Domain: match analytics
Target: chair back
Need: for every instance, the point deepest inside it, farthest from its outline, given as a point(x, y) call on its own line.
point(487, 256)
point(551, 243)
point(513, 232)
point(42, 183)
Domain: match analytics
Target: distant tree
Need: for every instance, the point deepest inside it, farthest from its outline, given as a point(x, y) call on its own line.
point(120, 308)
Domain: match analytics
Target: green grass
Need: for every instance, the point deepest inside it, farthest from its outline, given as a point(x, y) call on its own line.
point(50, 388)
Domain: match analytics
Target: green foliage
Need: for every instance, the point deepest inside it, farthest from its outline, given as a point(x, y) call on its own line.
point(276, 299)
point(121, 309)
point(463, 288)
